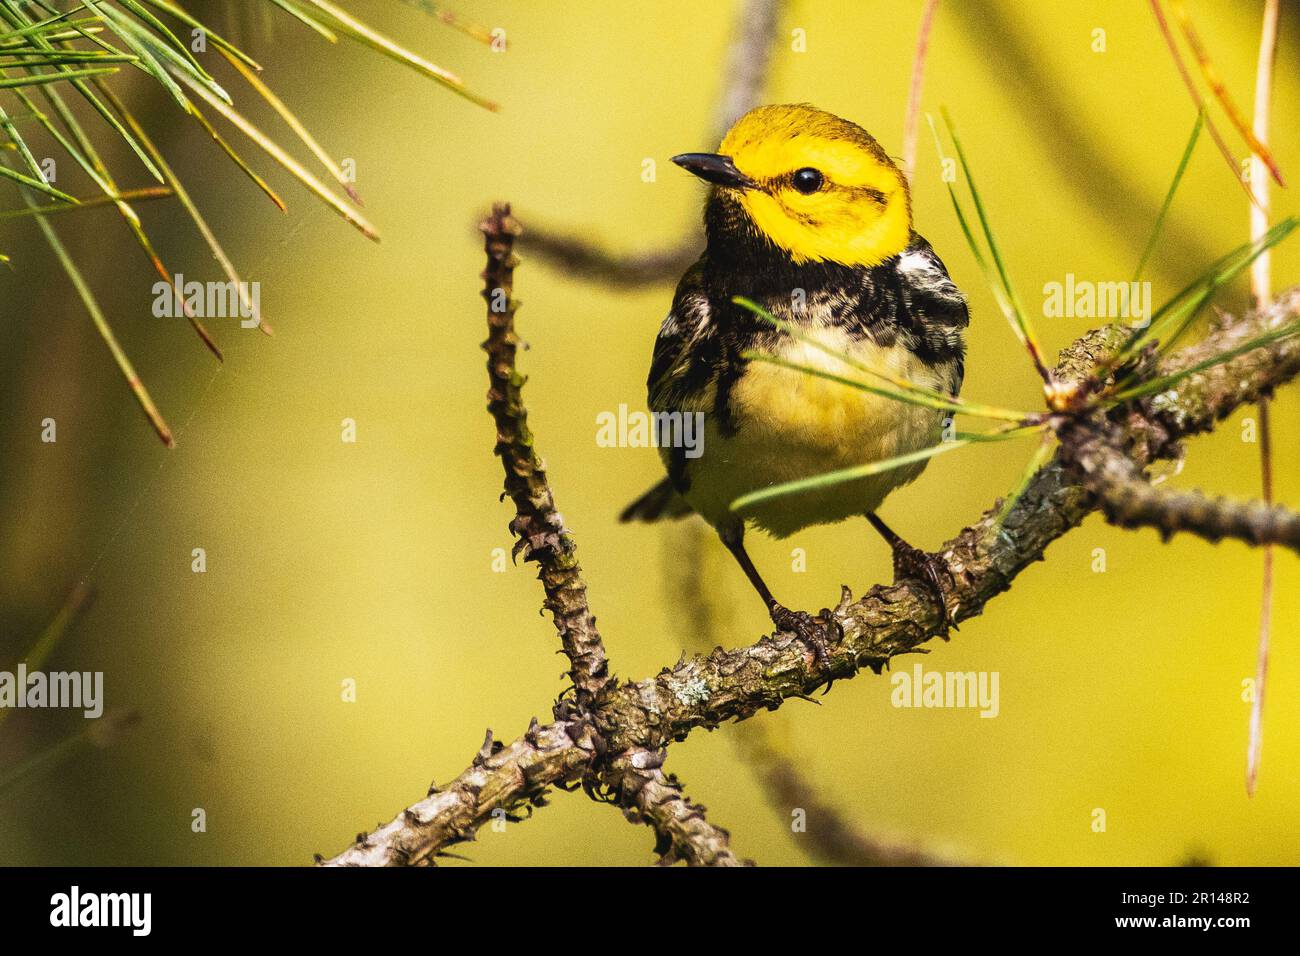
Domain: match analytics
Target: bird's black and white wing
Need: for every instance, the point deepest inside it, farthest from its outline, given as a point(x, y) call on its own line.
point(934, 307)
point(679, 375)
point(682, 364)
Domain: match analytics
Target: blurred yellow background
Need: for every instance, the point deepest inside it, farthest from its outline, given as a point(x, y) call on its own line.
point(373, 561)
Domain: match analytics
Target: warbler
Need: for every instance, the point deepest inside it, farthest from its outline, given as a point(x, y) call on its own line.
point(810, 218)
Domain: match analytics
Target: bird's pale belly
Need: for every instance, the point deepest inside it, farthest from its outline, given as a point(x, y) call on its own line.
point(793, 425)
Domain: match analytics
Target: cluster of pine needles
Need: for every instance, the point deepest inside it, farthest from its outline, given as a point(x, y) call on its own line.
point(55, 58)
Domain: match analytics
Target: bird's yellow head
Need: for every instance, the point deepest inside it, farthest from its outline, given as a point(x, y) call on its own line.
point(817, 186)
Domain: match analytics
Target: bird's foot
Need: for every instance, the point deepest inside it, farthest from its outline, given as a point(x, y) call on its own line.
point(928, 569)
point(815, 633)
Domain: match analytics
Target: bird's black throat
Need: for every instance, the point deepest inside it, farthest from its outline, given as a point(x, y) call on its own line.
point(741, 260)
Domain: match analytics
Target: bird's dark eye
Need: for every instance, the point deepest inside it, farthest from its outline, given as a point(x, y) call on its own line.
point(808, 180)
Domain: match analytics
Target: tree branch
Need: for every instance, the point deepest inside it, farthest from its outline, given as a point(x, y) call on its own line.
point(502, 779)
point(827, 835)
point(539, 528)
point(639, 786)
point(748, 62)
point(650, 796)
point(830, 835)
point(1127, 499)
point(579, 258)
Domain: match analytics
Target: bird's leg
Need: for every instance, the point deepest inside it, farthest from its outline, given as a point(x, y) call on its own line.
point(814, 632)
point(909, 562)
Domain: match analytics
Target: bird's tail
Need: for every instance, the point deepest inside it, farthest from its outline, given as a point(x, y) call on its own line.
point(661, 501)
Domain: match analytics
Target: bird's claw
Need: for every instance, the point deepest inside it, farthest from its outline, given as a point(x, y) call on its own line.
point(930, 570)
point(815, 633)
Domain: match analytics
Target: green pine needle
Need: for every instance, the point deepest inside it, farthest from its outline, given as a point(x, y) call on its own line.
point(44, 50)
point(1015, 311)
point(904, 390)
point(1040, 457)
point(842, 475)
point(1002, 293)
point(1169, 196)
point(1182, 309)
point(1165, 382)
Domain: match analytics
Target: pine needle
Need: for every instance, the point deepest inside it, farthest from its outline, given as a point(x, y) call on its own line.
point(17, 18)
point(105, 330)
point(455, 20)
point(233, 155)
point(217, 39)
point(1169, 196)
point(88, 202)
point(1236, 267)
point(73, 608)
point(1262, 294)
point(1215, 82)
point(358, 31)
point(1155, 385)
point(907, 398)
point(303, 17)
point(37, 79)
point(1040, 457)
point(904, 389)
point(999, 282)
point(1194, 296)
point(1195, 94)
point(96, 733)
point(843, 475)
point(914, 89)
point(271, 148)
point(297, 126)
point(38, 184)
point(87, 157)
point(183, 195)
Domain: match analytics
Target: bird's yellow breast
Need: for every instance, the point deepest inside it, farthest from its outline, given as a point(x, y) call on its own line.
point(791, 425)
point(809, 409)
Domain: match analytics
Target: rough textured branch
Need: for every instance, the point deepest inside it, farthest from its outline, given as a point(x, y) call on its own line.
point(501, 778)
point(1129, 500)
point(539, 528)
point(828, 835)
point(650, 796)
point(634, 776)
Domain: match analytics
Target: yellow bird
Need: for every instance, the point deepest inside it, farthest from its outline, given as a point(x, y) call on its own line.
point(809, 218)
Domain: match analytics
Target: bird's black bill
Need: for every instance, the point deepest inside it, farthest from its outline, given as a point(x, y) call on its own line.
point(714, 169)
